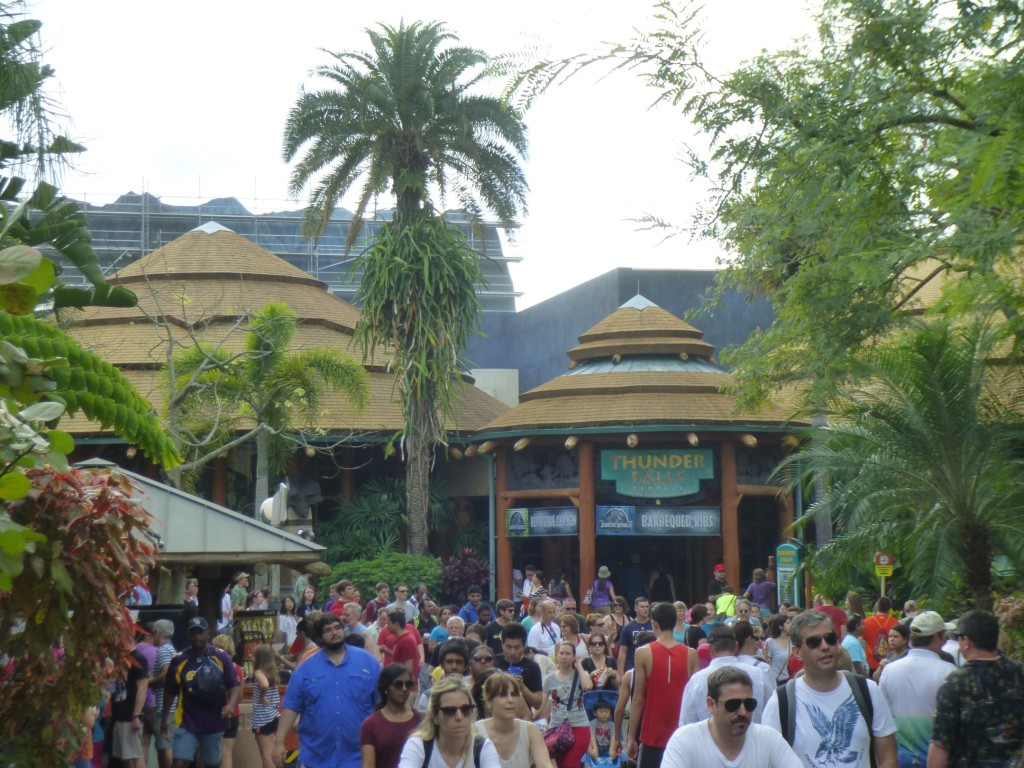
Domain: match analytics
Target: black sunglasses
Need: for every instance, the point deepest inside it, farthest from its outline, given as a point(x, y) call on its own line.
point(465, 710)
point(406, 684)
point(597, 642)
point(732, 705)
point(482, 659)
point(815, 640)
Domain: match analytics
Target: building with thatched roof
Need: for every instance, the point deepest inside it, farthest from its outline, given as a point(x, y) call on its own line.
point(638, 449)
point(201, 288)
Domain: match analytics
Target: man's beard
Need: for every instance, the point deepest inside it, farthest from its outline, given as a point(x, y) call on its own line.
point(335, 646)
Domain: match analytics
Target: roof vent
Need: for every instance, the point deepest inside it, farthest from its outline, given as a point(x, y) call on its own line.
point(210, 227)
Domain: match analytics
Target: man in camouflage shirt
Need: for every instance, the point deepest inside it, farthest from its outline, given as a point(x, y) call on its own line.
point(979, 718)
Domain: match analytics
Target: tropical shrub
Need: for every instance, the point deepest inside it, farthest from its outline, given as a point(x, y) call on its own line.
point(461, 570)
point(392, 567)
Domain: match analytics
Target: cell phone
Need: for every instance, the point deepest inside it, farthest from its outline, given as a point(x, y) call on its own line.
point(515, 671)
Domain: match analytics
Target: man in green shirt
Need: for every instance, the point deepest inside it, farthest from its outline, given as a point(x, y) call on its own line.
point(240, 591)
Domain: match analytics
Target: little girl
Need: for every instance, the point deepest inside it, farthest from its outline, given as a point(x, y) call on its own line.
point(266, 700)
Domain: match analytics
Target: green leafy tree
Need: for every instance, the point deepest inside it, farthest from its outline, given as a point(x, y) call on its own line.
point(852, 176)
point(922, 458)
point(406, 119)
point(268, 387)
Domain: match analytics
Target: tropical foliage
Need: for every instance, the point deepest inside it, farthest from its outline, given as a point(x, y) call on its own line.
point(267, 387)
point(406, 119)
point(852, 175)
point(393, 567)
point(921, 457)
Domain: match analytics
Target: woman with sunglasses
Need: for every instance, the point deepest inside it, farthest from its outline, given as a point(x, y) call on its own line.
point(564, 688)
point(519, 743)
point(447, 738)
point(384, 732)
point(599, 664)
point(620, 612)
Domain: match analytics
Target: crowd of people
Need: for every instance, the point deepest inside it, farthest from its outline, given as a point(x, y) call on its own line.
point(733, 681)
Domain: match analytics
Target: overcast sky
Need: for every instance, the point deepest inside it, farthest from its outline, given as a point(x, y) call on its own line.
point(187, 101)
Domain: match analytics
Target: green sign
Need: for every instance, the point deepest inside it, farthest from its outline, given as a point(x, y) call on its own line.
point(657, 473)
point(787, 561)
point(545, 521)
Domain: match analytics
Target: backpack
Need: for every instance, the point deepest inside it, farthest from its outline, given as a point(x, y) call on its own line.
point(861, 694)
point(208, 682)
point(478, 745)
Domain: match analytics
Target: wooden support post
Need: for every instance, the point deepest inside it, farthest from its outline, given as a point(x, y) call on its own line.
point(588, 530)
point(503, 548)
point(730, 516)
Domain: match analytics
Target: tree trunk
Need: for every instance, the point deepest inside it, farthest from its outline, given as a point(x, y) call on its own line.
point(262, 470)
point(417, 479)
point(979, 569)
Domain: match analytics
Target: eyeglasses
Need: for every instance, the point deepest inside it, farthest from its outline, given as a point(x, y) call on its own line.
point(597, 644)
point(483, 659)
point(465, 710)
point(406, 684)
point(815, 640)
point(732, 705)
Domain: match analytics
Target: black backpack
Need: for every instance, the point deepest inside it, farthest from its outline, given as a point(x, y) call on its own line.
point(787, 708)
point(208, 682)
point(478, 745)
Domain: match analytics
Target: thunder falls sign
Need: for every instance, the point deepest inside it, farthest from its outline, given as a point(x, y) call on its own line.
point(654, 474)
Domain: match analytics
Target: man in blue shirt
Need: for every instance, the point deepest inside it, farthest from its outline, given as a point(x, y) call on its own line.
point(468, 612)
point(334, 690)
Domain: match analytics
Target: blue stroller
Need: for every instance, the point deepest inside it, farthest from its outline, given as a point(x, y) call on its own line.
point(590, 700)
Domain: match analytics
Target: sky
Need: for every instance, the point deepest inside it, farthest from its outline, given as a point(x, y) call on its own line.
point(188, 100)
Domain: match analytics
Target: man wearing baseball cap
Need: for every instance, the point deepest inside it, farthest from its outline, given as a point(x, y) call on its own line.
point(717, 584)
point(911, 684)
point(200, 720)
point(979, 711)
point(240, 591)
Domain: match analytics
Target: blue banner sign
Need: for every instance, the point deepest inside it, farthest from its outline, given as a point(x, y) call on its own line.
point(546, 521)
point(627, 520)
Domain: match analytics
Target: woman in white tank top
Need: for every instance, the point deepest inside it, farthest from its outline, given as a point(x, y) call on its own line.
point(519, 744)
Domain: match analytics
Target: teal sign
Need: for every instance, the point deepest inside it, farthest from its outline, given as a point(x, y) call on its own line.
point(627, 520)
point(787, 562)
point(656, 473)
point(547, 521)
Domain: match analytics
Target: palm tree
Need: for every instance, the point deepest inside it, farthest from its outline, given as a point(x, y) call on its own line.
point(923, 457)
point(266, 386)
point(404, 119)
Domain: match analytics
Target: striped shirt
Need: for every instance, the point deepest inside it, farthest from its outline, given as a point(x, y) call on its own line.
point(265, 713)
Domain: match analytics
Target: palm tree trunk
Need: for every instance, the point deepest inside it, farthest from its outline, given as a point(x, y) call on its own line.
point(417, 478)
point(262, 469)
point(979, 569)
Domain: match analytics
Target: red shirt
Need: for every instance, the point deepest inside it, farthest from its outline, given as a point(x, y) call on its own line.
point(408, 649)
point(876, 635)
point(670, 671)
point(838, 616)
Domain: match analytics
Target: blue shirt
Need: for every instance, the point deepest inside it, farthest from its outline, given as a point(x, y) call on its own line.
point(469, 614)
point(855, 649)
point(333, 701)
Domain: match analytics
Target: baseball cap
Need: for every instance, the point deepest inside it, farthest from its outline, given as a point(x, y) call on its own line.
point(720, 568)
point(241, 575)
point(197, 622)
point(929, 623)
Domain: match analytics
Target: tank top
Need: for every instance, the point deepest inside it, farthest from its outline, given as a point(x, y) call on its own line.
point(669, 674)
point(521, 758)
point(265, 713)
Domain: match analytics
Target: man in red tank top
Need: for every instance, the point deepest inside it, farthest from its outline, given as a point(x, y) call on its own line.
point(662, 670)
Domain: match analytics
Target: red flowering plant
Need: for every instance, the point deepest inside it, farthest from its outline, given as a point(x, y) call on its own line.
point(64, 629)
point(459, 571)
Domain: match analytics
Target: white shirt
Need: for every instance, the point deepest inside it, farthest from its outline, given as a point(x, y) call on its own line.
point(225, 611)
point(694, 708)
point(692, 747)
point(952, 647)
point(543, 638)
point(910, 685)
point(412, 755)
point(829, 728)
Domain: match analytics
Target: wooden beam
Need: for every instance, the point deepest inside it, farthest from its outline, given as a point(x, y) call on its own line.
point(730, 516)
point(588, 524)
point(541, 493)
point(760, 490)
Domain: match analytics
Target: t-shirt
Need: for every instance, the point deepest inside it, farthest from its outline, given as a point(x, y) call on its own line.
point(602, 733)
point(627, 638)
point(761, 593)
point(979, 713)
point(164, 654)
point(386, 738)
point(837, 615)
point(148, 652)
point(407, 648)
point(493, 633)
point(876, 637)
point(122, 702)
point(558, 691)
point(692, 747)
point(830, 730)
point(529, 670)
point(910, 685)
point(413, 752)
point(194, 716)
point(543, 638)
point(855, 649)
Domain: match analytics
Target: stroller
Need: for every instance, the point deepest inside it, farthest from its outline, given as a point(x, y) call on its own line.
point(590, 699)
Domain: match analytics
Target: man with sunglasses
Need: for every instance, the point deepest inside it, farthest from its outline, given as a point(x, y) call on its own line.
point(729, 738)
point(506, 610)
point(829, 725)
point(334, 690)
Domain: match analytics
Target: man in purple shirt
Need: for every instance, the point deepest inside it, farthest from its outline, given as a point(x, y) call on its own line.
point(200, 723)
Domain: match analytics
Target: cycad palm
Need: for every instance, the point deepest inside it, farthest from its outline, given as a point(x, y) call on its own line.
point(924, 458)
point(403, 120)
point(269, 386)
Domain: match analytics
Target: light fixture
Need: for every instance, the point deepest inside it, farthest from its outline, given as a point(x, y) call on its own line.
point(692, 439)
point(454, 452)
point(131, 452)
point(487, 446)
point(470, 451)
point(522, 443)
point(632, 440)
point(748, 440)
point(310, 451)
point(570, 442)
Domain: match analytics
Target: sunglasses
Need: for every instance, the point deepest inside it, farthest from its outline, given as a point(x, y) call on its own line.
point(406, 684)
point(465, 710)
point(815, 640)
point(482, 659)
point(597, 644)
point(732, 705)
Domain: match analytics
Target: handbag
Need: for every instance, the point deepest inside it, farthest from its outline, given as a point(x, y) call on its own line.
point(561, 738)
point(588, 599)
